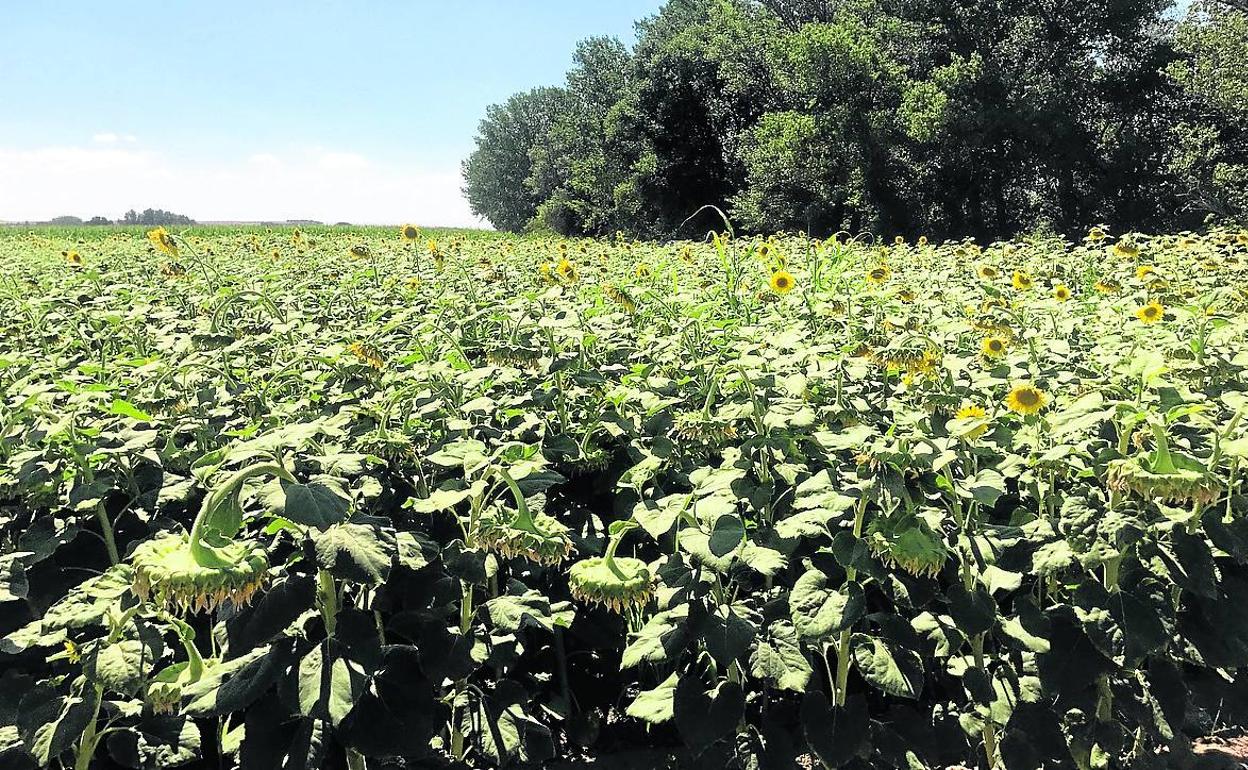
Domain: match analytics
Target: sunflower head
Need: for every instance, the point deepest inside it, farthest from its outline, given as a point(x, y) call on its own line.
point(1107, 286)
point(987, 272)
point(72, 257)
point(1163, 476)
point(546, 541)
point(1026, 399)
point(163, 241)
point(1144, 272)
point(782, 282)
point(567, 270)
point(1125, 250)
point(993, 347)
point(643, 271)
point(367, 354)
point(1151, 313)
point(621, 583)
point(974, 421)
point(1061, 292)
point(166, 571)
point(359, 251)
point(410, 233)
point(908, 542)
point(619, 296)
point(1022, 280)
point(694, 427)
point(879, 274)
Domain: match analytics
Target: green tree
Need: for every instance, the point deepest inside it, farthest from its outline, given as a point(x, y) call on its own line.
point(496, 175)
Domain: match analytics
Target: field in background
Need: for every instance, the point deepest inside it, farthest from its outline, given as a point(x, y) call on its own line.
point(293, 495)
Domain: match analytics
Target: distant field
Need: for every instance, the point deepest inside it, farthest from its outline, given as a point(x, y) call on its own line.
point(311, 493)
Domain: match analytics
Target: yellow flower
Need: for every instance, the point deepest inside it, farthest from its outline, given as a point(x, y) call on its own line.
point(1022, 281)
point(1061, 292)
point(1107, 286)
point(1144, 271)
point(366, 354)
point(1188, 242)
point(566, 270)
point(72, 257)
point(1026, 399)
point(1125, 249)
point(993, 347)
point(987, 272)
point(1096, 235)
point(971, 412)
point(359, 251)
point(1151, 313)
point(162, 240)
point(782, 282)
point(72, 653)
point(643, 271)
point(410, 233)
point(879, 274)
point(922, 240)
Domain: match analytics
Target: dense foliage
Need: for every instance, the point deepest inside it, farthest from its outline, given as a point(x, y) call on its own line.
point(279, 498)
point(886, 116)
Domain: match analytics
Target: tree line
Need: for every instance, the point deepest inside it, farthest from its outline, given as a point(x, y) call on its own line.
point(946, 118)
point(148, 217)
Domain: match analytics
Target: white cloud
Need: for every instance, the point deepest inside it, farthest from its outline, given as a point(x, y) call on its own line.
point(311, 183)
point(109, 137)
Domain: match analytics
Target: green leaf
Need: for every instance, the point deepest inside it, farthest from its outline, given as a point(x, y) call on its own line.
point(836, 735)
point(974, 612)
point(50, 722)
point(320, 503)
point(124, 408)
point(778, 658)
point(655, 706)
point(233, 685)
point(119, 666)
point(658, 517)
point(662, 636)
point(819, 612)
point(895, 670)
point(510, 613)
point(156, 742)
point(357, 553)
point(726, 535)
point(328, 683)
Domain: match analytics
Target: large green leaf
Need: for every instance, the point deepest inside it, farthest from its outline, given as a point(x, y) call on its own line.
point(655, 705)
point(895, 670)
point(320, 503)
point(358, 553)
point(819, 612)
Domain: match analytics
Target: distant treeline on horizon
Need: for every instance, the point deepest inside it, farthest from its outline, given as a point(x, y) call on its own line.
point(945, 118)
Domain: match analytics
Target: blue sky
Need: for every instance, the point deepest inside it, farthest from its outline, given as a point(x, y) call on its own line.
point(268, 109)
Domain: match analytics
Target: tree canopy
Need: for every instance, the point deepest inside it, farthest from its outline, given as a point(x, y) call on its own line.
point(935, 117)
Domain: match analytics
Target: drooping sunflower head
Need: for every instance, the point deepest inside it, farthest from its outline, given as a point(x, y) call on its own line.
point(695, 427)
point(993, 347)
point(1026, 399)
point(1107, 286)
point(546, 542)
point(1125, 250)
point(619, 296)
point(1176, 479)
point(908, 542)
point(163, 241)
point(1097, 234)
point(1151, 313)
point(782, 282)
point(1022, 280)
point(987, 272)
point(1144, 272)
point(1061, 292)
point(410, 233)
point(621, 583)
point(359, 251)
point(166, 571)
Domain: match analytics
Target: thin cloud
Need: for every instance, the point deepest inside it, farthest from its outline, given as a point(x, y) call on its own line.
point(310, 183)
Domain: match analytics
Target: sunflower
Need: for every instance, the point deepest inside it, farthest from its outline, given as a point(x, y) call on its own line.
point(1125, 250)
point(922, 240)
point(1026, 399)
point(879, 274)
point(162, 240)
point(566, 270)
point(993, 347)
point(987, 272)
point(1096, 235)
point(1022, 281)
point(367, 354)
point(1061, 292)
point(1145, 271)
point(975, 419)
point(410, 233)
point(359, 251)
point(72, 257)
point(643, 271)
point(1151, 313)
point(1107, 286)
point(782, 282)
point(1188, 242)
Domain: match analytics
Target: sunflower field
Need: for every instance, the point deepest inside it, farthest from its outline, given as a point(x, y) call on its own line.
point(389, 498)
